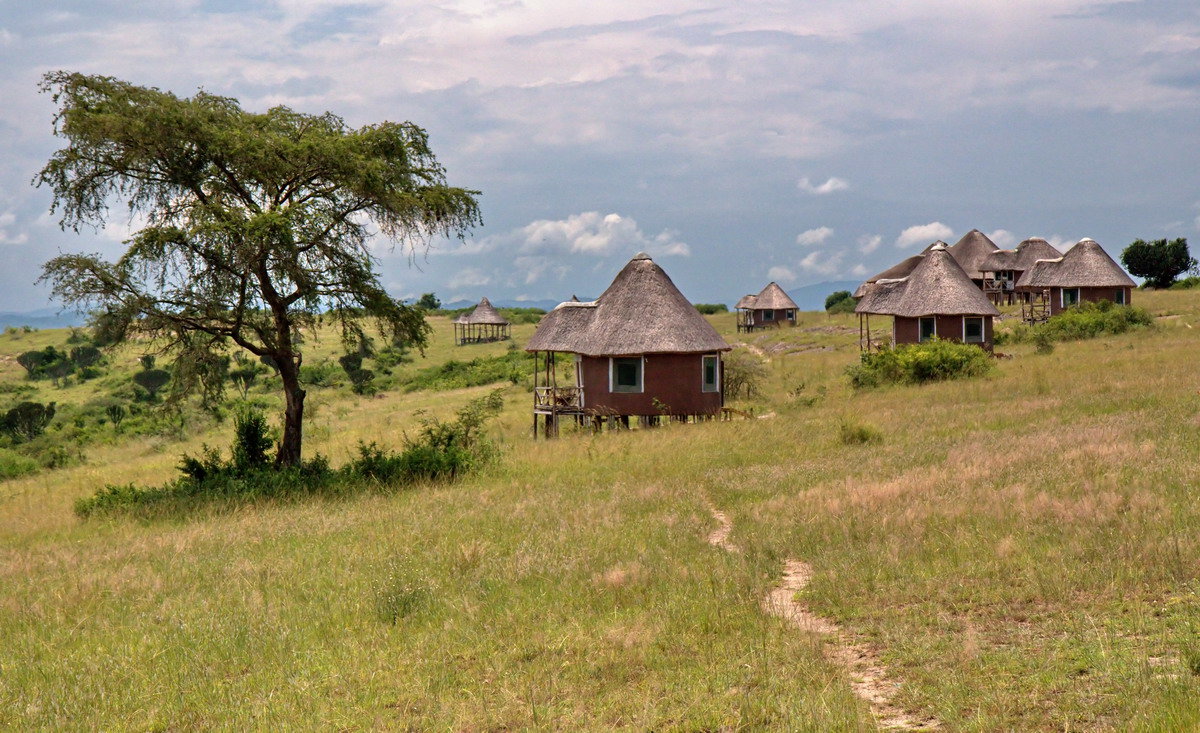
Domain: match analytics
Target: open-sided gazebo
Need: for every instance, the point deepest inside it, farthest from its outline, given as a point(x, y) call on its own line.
point(482, 325)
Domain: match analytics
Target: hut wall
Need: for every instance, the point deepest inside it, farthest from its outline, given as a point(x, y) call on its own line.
point(908, 330)
point(674, 379)
point(779, 318)
point(1088, 295)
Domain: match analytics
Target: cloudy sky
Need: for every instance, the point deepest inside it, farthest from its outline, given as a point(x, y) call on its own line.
point(801, 141)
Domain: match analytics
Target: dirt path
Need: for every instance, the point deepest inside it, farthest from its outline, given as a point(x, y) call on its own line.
point(868, 678)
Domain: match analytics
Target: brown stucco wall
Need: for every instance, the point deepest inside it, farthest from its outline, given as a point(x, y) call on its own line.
point(1088, 295)
point(780, 318)
point(908, 330)
point(674, 379)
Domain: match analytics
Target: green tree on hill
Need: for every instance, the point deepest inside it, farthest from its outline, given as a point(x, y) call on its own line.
point(429, 302)
point(1158, 262)
point(257, 223)
point(841, 301)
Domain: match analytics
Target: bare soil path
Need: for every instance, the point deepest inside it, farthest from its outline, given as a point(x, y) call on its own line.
point(868, 678)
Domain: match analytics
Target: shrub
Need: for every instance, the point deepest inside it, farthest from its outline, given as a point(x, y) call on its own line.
point(1187, 283)
point(841, 301)
point(321, 374)
point(1089, 320)
point(852, 433)
point(512, 365)
point(743, 374)
point(27, 421)
point(710, 309)
point(522, 315)
point(152, 380)
point(46, 363)
point(934, 360)
point(13, 464)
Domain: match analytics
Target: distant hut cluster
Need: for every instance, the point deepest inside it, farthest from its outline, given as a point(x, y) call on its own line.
point(771, 308)
point(952, 291)
point(482, 325)
point(641, 350)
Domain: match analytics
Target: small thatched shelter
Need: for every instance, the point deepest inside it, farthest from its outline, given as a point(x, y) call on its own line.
point(771, 308)
point(970, 252)
point(1085, 273)
point(1004, 267)
point(482, 325)
point(935, 299)
point(640, 349)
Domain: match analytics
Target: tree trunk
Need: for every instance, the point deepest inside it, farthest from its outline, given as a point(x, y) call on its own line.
point(293, 415)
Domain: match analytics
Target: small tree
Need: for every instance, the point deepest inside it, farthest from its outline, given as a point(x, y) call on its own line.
point(743, 373)
point(429, 302)
point(27, 420)
point(32, 361)
point(256, 223)
point(152, 380)
point(85, 356)
point(1158, 262)
point(116, 414)
point(841, 301)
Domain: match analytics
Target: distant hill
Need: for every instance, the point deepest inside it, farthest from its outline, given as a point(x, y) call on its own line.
point(42, 318)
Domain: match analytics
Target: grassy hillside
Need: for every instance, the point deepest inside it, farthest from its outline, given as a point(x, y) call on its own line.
point(1021, 551)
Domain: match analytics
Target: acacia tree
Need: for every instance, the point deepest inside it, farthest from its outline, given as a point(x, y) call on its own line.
point(255, 223)
point(1158, 262)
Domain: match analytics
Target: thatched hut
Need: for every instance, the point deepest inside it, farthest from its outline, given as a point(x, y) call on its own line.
point(1084, 274)
point(771, 308)
point(970, 252)
point(482, 325)
point(640, 349)
point(935, 299)
point(902, 269)
point(1004, 267)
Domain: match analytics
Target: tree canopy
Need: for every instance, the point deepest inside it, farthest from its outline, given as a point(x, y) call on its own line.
point(1158, 262)
point(254, 224)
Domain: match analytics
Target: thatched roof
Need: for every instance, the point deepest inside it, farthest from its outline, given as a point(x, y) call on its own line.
point(1021, 258)
point(642, 312)
point(937, 286)
point(970, 252)
point(1086, 265)
point(773, 297)
point(747, 302)
point(901, 269)
point(484, 314)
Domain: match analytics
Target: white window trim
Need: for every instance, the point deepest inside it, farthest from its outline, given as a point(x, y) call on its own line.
point(1062, 297)
point(982, 330)
point(1121, 300)
point(612, 375)
point(932, 335)
point(579, 378)
point(791, 314)
point(717, 357)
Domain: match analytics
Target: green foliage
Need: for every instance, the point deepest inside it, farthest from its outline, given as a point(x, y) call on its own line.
point(429, 302)
point(522, 315)
point(743, 374)
point(251, 440)
point(85, 356)
point(321, 374)
point(855, 433)
point(26, 421)
point(513, 366)
point(147, 361)
point(1159, 262)
point(259, 224)
point(934, 360)
point(116, 414)
point(13, 464)
point(841, 301)
point(152, 380)
point(47, 363)
point(710, 309)
point(1188, 283)
point(1083, 321)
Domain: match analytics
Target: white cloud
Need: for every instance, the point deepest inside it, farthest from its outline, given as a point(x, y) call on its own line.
point(594, 233)
point(7, 219)
point(859, 270)
point(829, 186)
point(868, 243)
point(781, 274)
point(1003, 238)
point(469, 277)
point(814, 237)
point(924, 234)
point(822, 262)
point(1061, 243)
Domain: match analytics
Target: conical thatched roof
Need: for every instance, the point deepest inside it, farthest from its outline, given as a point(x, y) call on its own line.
point(1086, 265)
point(937, 286)
point(1022, 257)
point(484, 314)
point(773, 297)
point(899, 270)
point(746, 302)
point(970, 252)
point(642, 312)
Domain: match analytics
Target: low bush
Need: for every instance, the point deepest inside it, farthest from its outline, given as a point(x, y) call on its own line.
point(439, 451)
point(1084, 321)
point(932, 361)
point(13, 464)
point(841, 301)
point(1187, 283)
point(513, 366)
point(853, 433)
point(711, 309)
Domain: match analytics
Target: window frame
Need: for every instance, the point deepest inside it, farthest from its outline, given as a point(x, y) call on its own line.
point(613, 363)
point(1120, 299)
point(1062, 297)
point(921, 337)
point(716, 383)
point(791, 314)
point(768, 315)
point(982, 330)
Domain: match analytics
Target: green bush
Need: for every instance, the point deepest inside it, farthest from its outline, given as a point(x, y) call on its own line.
point(841, 301)
point(710, 309)
point(321, 374)
point(1083, 321)
point(1187, 283)
point(13, 464)
point(512, 366)
point(743, 374)
point(852, 433)
point(932, 361)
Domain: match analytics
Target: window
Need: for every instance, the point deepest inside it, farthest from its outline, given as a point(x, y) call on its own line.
point(625, 374)
point(711, 367)
point(1070, 297)
point(973, 330)
point(928, 329)
point(791, 315)
point(1120, 297)
point(768, 315)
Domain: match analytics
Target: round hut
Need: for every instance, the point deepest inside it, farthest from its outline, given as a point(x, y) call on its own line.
point(482, 325)
point(745, 313)
point(899, 270)
point(935, 299)
point(1004, 267)
point(1085, 274)
point(970, 252)
point(771, 308)
point(640, 350)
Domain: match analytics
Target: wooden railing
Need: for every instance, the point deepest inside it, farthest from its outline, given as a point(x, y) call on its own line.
point(557, 397)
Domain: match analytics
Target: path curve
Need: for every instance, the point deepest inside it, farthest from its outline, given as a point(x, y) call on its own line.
point(868, 677)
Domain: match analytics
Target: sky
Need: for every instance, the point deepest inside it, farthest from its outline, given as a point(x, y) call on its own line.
point(737, 143)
